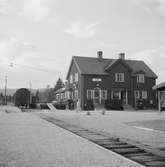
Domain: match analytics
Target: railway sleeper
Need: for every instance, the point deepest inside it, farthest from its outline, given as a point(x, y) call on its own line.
point(124, 151)
point(103, 143)
point(119, 146)
point(155, 164)
point(147, 158)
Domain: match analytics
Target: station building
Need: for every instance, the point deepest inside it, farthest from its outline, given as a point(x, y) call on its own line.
point(99, 79)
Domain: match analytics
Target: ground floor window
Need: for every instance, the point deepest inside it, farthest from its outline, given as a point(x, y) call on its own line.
point(144, 94)
point(76, 94)
point(104, 94)
point(67, 95)
point(96, 94)
point(137, 94)
point(89, 94)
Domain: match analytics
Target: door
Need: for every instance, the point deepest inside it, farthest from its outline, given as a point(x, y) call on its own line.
point(97, 96)
point(124, 97)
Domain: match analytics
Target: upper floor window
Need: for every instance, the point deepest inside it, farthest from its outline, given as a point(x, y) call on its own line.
point(76, 77)
point(71, 78)
point(119, 77)
point(140, 78)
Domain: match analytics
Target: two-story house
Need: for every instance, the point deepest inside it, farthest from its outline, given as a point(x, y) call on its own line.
point(100, 79)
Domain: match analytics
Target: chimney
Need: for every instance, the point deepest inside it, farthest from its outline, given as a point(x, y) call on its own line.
point(100, 55)
point(122, 56)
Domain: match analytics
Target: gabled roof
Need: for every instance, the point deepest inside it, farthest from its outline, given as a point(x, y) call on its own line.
point(113, 63)
point(95, 66)
point(159, 86)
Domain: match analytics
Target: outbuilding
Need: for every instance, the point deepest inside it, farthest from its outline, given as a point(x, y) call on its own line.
point(160, 88)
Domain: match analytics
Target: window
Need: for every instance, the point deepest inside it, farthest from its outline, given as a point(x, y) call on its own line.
point(76, 94)
point(71, 78)
point(119, 77)
point(140, 78)
point(76, 77)
point(57, 97)
point(104, 94)
point(144, 94)
point(89, 94)
point(67, 95)
point(137, 94)
point(116, 95)
point(71, 95)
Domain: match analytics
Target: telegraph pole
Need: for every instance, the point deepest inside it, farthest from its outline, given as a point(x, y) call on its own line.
point(5, 90)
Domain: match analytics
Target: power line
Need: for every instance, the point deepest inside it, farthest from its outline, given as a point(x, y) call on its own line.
point(32, 67)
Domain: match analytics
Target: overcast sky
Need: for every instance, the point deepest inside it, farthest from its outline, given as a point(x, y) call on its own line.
point(39, 37)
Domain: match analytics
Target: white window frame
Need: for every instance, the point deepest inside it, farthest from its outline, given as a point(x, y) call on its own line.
point(144, 94)
point(104, 94)
point(67, 95)
point(76, 94)
point(76, 77)
point(119, 77)
point(71, 78)
point(140, 78)
point(89, 94)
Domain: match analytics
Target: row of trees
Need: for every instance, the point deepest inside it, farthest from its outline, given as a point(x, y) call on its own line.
point(9, 98)
point(46, 96)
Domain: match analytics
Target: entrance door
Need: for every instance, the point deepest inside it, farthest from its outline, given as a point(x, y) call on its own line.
point(124, 97)
point(97, 96)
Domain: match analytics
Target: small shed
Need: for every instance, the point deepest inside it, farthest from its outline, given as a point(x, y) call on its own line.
point(160, 88)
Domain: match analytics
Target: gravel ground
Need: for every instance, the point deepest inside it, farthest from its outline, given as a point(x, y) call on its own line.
point(118, 124)
point(28, 141)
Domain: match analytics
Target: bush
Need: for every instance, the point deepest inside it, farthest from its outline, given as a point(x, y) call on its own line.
point(33, 105)
point(44, 106)
point(60, 105)
point(103, 112)
point(71, 104)
point(89, 105)
point(88, 113)
point(113, 104)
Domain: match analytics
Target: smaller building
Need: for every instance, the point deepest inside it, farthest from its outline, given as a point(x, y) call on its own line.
point(160, 88)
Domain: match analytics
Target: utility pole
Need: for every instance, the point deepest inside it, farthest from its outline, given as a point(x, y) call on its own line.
point(5, 90)
point(30, 86)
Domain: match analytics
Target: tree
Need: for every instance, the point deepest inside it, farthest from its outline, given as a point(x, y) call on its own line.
point(59, 84)
point(49, 94)
point(37, 96)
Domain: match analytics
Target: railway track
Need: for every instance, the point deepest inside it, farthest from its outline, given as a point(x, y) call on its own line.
point(145, 156)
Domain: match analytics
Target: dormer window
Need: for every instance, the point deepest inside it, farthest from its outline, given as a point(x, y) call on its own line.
point(76, 77)
point(140, 78)
point(119, 77)
point(71, 78)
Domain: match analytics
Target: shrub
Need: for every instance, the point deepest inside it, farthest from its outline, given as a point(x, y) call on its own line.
point(89, 105)
point(44, 106)
point(88, 113)
point(103, 112)
point(113, 104)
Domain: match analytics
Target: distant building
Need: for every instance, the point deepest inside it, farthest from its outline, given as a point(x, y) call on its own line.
point(98, 79)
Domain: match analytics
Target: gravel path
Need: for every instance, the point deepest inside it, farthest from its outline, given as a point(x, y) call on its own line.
point(118, 124)
point(28, 141)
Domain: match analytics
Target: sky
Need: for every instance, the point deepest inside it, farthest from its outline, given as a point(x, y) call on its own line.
point(39, 37)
